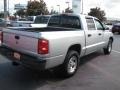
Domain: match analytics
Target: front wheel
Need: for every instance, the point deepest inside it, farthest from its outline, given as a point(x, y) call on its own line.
point(108, 49)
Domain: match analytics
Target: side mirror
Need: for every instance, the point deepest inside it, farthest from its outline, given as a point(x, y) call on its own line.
point(107, 28)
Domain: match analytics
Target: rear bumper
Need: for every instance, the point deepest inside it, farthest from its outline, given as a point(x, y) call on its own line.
point(26, 60)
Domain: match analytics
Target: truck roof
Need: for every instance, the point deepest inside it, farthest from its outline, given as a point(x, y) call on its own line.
point(72, 14)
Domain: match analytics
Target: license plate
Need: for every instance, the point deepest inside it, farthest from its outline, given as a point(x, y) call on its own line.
point(17, 56)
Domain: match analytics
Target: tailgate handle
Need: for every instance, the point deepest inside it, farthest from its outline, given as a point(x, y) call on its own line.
point(17, 37)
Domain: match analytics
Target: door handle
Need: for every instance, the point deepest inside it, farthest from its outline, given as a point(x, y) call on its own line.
point(99, 34)
point(17, 37)
point(89, 35)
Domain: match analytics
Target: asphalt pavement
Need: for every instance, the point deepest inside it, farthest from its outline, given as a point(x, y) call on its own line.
point(96, 72)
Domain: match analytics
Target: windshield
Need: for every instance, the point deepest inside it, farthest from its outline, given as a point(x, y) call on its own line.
point(42, 19)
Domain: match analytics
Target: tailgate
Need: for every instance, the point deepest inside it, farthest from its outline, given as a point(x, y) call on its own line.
point(21, 41)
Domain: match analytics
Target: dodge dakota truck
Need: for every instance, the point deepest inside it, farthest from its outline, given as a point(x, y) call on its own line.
point(58, 46)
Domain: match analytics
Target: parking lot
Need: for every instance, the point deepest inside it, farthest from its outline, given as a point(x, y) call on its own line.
point(96, 72)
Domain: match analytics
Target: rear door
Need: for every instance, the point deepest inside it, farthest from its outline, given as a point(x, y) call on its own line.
point(91, 36)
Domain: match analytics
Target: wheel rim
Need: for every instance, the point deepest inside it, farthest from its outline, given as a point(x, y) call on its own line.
point(110, 47)
point(72, 65)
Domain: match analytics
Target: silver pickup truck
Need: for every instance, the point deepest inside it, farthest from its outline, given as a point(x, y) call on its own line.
point(60, 45)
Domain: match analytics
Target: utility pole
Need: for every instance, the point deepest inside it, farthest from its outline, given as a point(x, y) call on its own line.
point(68, 4)
point(59, 8)
point(5, 10)
point(82, 7)
point(8, 8)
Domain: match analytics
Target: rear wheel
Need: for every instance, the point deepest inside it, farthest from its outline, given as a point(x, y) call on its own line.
point(70, 66)
point(108, 49)
point(15, 64)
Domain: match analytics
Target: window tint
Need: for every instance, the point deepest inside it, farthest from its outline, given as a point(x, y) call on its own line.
point(99, 25)
point(41, 19)
point(54, 21)
point(70, 22)
point(65, 21)
point(90, 24)
point(30, 18)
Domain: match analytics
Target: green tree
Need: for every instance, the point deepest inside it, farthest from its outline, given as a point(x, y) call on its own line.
point(68, 10)
point(2, 14)
point(36, 8)
point(21, 12)
point(97, 12)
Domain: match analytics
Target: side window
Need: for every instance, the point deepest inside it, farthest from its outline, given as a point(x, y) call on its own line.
point(90, 24)
point(99, 25)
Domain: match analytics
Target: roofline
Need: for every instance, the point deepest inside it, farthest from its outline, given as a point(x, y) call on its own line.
point(72, 14)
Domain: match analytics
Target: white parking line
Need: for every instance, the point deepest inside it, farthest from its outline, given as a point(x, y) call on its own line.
point(116, 51)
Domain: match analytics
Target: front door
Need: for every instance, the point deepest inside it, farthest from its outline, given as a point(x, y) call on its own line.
point(100, 34)
point(91, 36)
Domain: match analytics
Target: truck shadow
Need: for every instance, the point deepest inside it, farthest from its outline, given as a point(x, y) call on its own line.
point(19, 78)
point(90, 57)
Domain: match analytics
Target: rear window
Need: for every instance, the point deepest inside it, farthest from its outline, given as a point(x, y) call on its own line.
point(42, 19)
point(30, 18)
point(54, 21)
point(65, 21)
point(70, 22)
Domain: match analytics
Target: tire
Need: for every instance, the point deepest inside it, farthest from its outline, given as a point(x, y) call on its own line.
point(70, 65)
point(113, 32)
point(15, 64)
point(108, 49)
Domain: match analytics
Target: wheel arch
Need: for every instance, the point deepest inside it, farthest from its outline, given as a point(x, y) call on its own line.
point(111, 38)
point(76, 47)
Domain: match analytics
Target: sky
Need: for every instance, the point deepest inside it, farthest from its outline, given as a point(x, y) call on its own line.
point(111, 7)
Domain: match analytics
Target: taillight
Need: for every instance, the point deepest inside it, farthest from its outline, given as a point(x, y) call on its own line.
point(1, 36)
point(43, 46)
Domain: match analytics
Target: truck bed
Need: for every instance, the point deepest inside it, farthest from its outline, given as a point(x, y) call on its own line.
point(46, 29)
point(26, 39)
